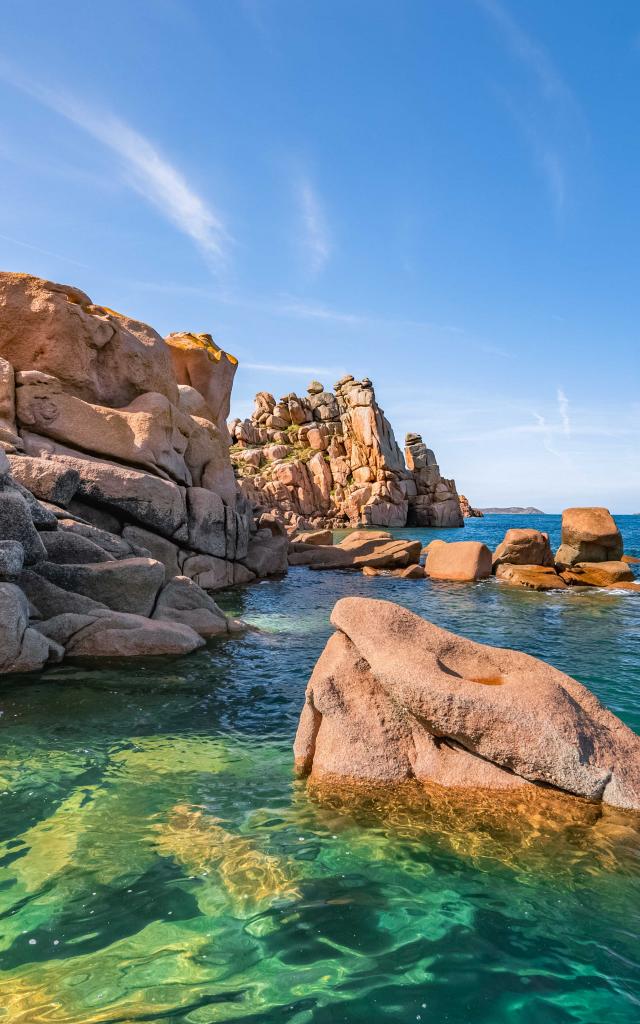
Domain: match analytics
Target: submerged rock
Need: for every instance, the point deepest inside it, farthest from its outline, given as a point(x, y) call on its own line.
point(394, 697)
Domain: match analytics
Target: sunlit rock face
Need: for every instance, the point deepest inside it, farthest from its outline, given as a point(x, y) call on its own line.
point(331, 458)
point(106, 429)
point(394, 698)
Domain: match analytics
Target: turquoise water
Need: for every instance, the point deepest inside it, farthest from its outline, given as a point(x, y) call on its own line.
point(159, 863)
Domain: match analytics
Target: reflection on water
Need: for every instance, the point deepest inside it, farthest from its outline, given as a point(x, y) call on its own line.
point(158, 862)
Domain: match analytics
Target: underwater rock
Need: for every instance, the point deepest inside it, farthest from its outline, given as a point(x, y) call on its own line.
point(394, 697)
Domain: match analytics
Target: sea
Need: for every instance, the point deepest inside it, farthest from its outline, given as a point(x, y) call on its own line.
point(159, 862)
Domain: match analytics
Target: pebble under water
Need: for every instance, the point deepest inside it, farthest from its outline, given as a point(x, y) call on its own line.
point(159, 863)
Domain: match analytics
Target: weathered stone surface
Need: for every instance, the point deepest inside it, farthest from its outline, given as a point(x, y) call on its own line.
point(394, 697)
point(211, 573)
point(51, 600)
point(267, 554)
point(206, 522)
point(150, 431)
point(412, 572)
point(118, 635)
point(532, 577)
point(588, 535)
point(375, 548)
point(182, 600)
point(65, 547)
point(11, 558)
point(22, 649)
point(523, 547)
point(463, 560)
point(318, 537)
point(127, 585)
point(160, 548)
point(200, 363)
point(111, 543)
point(148, 500)
point(45, 479)
point(598, 574)
point(8, 428)
point(100, 356)
point(16, 523)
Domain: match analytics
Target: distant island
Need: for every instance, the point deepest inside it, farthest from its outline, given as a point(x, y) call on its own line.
point(515, 510)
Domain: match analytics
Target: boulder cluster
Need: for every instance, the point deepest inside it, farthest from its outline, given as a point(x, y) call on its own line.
point(523, 558)
point(330, 459)
point(119, 509)
point(394, 698)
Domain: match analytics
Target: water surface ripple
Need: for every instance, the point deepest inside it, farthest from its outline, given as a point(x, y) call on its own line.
point(158, 863)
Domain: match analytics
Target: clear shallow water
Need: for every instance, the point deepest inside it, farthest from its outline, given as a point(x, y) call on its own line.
point(159, 863)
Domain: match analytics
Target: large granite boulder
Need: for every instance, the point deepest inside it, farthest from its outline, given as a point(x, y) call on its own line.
point(461, 561)
point(523, 547)
point(394, 697)
point(99, 355)
point(124, 585)
point(149, 432)
point(588, 535)
point(22, 649)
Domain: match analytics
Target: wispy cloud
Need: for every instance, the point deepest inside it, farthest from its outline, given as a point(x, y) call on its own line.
point(283, 368)
point(563, 408)
point(530, 53)
point(546, 155)
point(143, 167)
point(316, 239)
point(552, 115)
point(44, 252)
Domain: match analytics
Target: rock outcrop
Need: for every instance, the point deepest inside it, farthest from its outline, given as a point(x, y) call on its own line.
point(119, 506)
point(331, 459)
point(524, 557)
point(467, 511)
point(588, 535)
point(394, 697)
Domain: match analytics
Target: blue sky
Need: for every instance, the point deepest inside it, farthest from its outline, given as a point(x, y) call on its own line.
point(441, 195)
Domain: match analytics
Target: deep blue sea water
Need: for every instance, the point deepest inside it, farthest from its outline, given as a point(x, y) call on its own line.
point(158, 862)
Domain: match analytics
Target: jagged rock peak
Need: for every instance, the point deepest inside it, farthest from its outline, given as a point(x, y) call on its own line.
point(331, 459)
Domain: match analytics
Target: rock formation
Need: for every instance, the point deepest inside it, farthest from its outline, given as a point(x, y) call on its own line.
point(119, 507)
point(362, 549)
point(590, 555)
point(394, 697)
point(460, 561)
point(331, 459)
point(467, 511)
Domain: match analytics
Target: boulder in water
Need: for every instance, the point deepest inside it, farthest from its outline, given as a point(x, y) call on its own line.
point(394, 697)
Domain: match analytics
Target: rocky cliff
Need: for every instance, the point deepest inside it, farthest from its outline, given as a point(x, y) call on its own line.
point(331, 459)
point(119, 506)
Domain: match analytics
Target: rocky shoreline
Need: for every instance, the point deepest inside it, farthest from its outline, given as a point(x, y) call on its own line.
point(119, 511)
